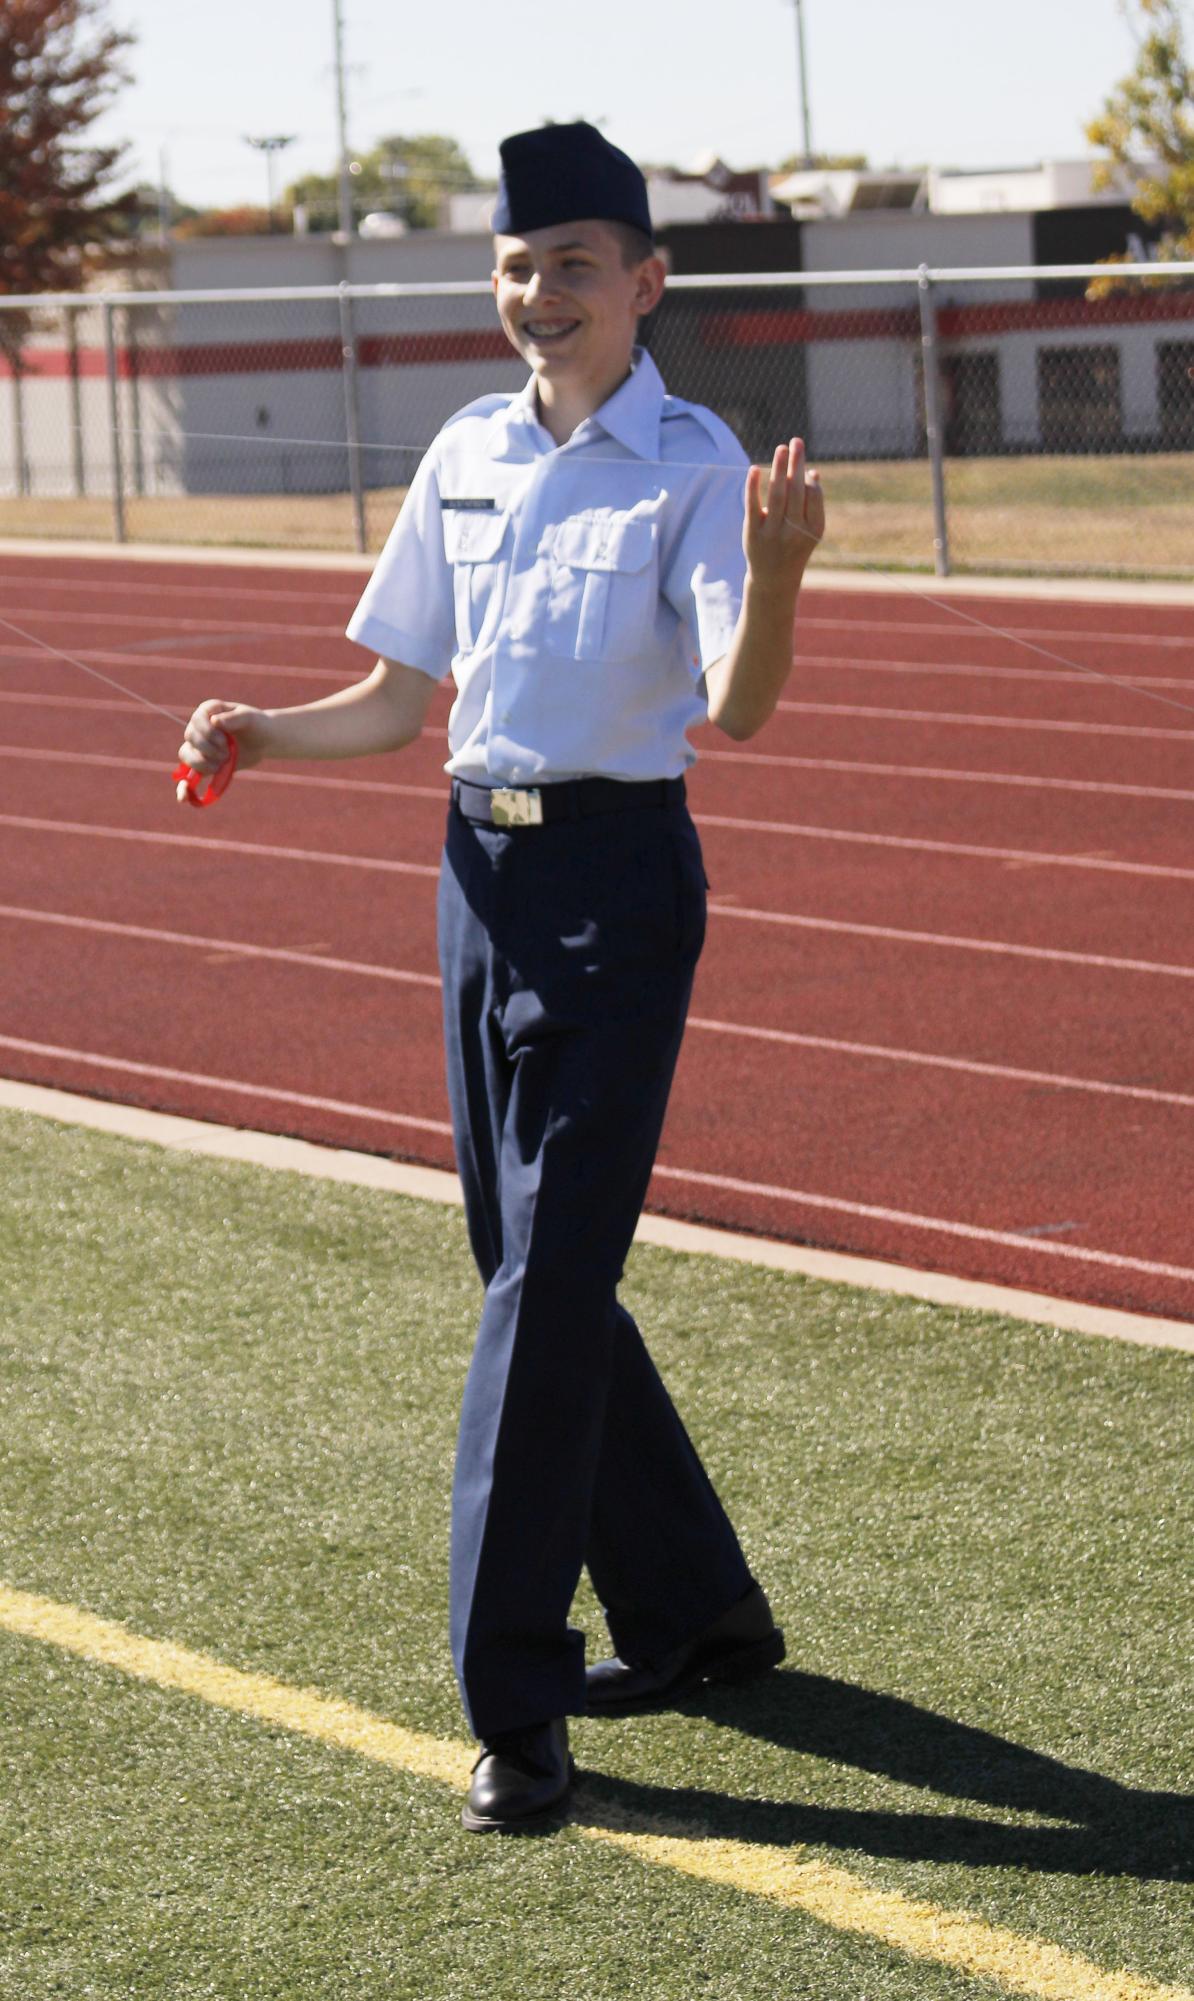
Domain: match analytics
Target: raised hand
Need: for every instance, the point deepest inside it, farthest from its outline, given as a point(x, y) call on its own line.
point(780, 537)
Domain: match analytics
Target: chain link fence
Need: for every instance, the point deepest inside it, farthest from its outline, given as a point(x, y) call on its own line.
point(976, 420)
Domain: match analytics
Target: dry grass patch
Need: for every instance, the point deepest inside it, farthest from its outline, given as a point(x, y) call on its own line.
point(1114, 515)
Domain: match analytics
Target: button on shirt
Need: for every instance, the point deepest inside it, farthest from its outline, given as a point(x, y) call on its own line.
point(577, 592)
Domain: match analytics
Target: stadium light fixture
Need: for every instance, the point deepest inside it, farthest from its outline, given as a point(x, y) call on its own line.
point(270, 146)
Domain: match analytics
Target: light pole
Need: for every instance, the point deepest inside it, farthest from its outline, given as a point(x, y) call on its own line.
point(344, 184)
point(802, 67)
point(269, 147)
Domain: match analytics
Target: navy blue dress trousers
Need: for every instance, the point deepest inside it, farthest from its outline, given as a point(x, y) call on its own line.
point(568, 952)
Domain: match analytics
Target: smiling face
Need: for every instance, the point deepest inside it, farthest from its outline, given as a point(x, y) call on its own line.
point(570, 303)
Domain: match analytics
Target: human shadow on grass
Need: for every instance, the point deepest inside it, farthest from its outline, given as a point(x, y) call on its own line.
point(1113, 1829)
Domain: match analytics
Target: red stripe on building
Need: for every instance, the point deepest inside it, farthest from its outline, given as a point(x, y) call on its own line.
point(391, 350)
point(1126, 309)
point(770, 327)
point(279, 357)
point(259, 357)
point(789, 326)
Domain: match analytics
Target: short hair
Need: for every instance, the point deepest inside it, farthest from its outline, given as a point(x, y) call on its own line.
point(636, 244)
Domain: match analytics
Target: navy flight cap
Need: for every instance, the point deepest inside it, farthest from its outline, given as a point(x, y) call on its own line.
point(567, 173)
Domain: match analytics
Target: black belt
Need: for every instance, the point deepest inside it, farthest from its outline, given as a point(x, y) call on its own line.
point(568, 799)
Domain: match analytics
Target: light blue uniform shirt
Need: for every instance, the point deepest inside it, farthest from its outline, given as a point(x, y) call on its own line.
point(577, 592)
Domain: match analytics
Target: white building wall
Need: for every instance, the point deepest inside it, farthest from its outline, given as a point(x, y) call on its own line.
point(900, 240)
point(863, 399)
point(426, 256)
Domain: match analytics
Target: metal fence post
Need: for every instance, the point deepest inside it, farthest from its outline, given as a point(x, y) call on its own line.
point(352, 416)
point(934, 434)
point(118, 528)
point(76, 402)
point(134, 375)
point(23, 481)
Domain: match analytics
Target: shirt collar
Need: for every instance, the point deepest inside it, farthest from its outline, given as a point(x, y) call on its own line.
point(630, 416)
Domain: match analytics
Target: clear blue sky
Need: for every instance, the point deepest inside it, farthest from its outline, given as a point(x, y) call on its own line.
point(951, 82)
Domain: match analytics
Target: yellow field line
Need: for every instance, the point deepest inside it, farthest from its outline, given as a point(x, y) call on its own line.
point(832, 1896)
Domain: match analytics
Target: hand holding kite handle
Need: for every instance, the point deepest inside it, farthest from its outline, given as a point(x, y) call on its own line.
point(188, 784)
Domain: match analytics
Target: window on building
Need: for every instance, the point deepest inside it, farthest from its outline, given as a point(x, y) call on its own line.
point(973, 406)
point(1079, 393)
point(1175, 393)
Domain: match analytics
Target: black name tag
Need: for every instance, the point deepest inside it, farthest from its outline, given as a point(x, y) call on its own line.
point(469, 506)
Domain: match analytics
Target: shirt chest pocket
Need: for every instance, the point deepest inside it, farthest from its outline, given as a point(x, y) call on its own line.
point(478, 547)
point(604, 587)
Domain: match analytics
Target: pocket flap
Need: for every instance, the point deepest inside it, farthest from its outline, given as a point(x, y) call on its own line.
point(473, 538)
point(609, 544)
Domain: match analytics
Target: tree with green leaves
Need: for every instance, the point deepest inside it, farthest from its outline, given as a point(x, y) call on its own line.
point(408, 175)
point(1146, 127)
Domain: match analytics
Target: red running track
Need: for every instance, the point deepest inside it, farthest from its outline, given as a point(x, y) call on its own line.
point(944, 1011)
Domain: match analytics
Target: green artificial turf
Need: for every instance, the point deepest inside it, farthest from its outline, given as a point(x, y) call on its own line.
point(229, 1400)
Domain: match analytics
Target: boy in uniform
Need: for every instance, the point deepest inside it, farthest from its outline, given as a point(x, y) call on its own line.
point(578, 556)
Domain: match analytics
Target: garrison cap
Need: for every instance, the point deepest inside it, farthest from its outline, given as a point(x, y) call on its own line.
point(567, 173)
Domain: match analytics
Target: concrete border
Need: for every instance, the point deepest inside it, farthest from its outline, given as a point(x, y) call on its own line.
point(364, 1170)
point(919, 583)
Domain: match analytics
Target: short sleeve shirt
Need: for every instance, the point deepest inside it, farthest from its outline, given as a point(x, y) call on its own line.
point(576, 592)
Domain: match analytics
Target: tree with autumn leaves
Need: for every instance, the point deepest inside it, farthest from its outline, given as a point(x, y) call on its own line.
point(1149, 118)
point(60, 66)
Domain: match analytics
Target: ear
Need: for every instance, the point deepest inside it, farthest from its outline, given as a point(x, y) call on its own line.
point(649, 281)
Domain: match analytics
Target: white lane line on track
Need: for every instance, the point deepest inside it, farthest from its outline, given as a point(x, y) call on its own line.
point(113, 657)
point(731, 1184)
point(742, 912)
point(439, 793)
point(908, 1220)
point(346, 597)
point(967, 671)
point(154, 654)
point(245, 627)
point(1029, 779)
point(160, 1070)
point(972, 850)
point(787, 1038)
point(231, 947)
point(986, 722)
point(1055, 954)
point(846, 835)
point(30, 698)
point(219, 845)
point(837, 764)
point(1069, 635)
point(970, 1067)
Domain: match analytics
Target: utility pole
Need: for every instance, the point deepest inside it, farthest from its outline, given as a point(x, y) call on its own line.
point(345, 182)
point(269, 147)
point(802, 67)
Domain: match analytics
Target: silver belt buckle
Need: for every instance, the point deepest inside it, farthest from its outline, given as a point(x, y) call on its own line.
point(516, 809)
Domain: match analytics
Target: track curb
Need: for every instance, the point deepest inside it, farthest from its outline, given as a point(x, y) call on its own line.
point(428, 1184)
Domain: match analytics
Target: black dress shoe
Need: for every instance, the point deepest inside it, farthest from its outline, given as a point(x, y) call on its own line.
point(745, 1641)
point(521, 1779)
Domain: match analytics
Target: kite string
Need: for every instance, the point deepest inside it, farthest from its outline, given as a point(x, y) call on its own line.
point(72, 660)
point(1003, 632)
point(892, 577)
point(682, 465)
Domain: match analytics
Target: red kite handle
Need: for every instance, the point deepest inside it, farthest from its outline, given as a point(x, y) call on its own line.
point(217, 784)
